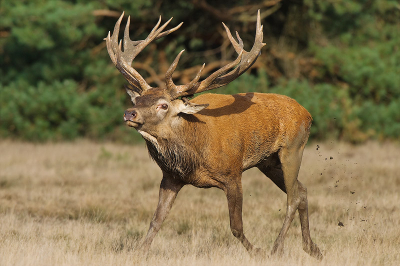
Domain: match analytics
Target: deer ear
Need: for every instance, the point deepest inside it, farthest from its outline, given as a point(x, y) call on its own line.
point(191, 108)
point(133, 94)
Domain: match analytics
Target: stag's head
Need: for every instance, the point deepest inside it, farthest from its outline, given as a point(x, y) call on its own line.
point(160, 106)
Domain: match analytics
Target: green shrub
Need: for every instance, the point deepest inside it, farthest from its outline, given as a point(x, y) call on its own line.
point(380, 120)
point(57, 81)
point(59, 111)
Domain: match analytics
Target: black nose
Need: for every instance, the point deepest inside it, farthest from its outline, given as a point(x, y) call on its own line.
point(130, 115)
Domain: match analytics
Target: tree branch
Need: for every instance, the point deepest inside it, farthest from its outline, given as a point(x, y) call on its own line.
point(4, 34)
point(230, 14)
point(106, 13)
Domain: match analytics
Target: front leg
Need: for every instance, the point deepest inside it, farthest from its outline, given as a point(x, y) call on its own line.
point(234, 195)
point(169, 188)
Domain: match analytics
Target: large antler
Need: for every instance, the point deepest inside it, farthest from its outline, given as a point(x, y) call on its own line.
point(123, 59)
point(220, 77)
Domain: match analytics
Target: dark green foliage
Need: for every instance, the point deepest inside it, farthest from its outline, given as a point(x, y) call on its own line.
point(363, 55)
point(59, 111)
point(57, 81)
point(323, 101)
point(380, 120)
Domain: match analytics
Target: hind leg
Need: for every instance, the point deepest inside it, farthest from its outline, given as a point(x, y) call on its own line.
point(290, 166)
point(284, 180)
point(308, 245)
point(284, 174)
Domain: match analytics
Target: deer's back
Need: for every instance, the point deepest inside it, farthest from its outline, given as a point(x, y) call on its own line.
point(249, 127)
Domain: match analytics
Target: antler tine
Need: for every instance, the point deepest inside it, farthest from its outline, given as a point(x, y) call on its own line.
point(225, 79)
point(196, 78)
point(248, 57)
point(243, 62)
point(238, 46)
point(123, 59)
point(168, 31)
point(127, 40)
point(239, 39)
point(156, 26)
point(130, 74)
point(115, 59)
point(133, 51)
point(255, 51)
point(211, 79)
point(258, 44)
point(133, 48)
point(168, 75)
point(110, 49)
point(114, 36)
point(112, 41)
point(173, 89)
point(259, 26)
point(182, 89)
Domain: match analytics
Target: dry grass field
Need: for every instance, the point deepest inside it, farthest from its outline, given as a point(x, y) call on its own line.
point(86, 203)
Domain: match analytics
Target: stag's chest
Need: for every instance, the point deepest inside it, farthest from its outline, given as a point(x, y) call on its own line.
point(185, 165)
point(174, 159)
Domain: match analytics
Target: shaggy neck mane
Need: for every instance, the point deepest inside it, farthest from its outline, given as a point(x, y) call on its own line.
point(175, 154)
point(173, 158)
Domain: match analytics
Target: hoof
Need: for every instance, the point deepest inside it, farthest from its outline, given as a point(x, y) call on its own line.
point(314, 251)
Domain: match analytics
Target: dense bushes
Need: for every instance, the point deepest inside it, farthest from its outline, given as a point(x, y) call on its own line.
point(59, 111)
point(363, 57)
point(340, 59)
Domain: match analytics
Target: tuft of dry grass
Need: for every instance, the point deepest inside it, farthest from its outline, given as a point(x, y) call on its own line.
point(86, 203)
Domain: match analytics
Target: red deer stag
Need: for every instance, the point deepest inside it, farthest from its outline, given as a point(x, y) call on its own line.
point(210, 140)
